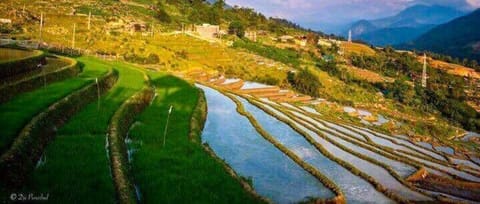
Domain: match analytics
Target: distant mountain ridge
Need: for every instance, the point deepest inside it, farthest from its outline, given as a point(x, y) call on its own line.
point(457, 38)
point(405, 26)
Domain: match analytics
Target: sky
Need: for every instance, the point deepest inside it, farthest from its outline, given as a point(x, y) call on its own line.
point(333, 15)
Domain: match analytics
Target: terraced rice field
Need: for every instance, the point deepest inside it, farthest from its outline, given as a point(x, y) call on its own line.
point(366, 166)
point(84, 138)
point(165, 173)
point(117, 133)
point(73, 159)
point(19, 110)
point(7, 54)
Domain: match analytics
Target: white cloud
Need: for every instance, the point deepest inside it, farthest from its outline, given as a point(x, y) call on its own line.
point(474, 3)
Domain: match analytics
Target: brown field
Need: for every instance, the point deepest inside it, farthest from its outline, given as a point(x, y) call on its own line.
point(454, 69)
point(367, 75)
point(357, 48)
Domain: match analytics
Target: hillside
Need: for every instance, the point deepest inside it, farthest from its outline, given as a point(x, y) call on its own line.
point(167, 101)
point(403, 27)
point(458, 38)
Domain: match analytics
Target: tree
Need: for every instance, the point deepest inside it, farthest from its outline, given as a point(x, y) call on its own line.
point(236, 28)
point(217, 12)
point(161, 14)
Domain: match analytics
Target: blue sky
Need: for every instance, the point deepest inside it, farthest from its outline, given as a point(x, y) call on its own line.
point(329, 15)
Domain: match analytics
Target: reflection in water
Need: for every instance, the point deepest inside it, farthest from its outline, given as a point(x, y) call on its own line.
point(355, 188)
point(234, 139)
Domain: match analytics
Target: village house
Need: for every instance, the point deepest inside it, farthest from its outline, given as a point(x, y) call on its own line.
point(207, 30)
point(286, 38)
point(5, 21)
point(301, 40)
point(251, 35)
point(324, 42)
point(137, 27)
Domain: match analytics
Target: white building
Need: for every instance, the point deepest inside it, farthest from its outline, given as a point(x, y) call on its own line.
point(207, 30)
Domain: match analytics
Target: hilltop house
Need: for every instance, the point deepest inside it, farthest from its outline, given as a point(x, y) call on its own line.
point(207, 30)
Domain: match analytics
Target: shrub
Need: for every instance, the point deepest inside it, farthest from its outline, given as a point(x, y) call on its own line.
point(305, 82)
point(236, 28)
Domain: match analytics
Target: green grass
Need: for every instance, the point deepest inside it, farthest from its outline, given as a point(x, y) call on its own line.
point(17, 112)
point(77, 166)
point(180, 172)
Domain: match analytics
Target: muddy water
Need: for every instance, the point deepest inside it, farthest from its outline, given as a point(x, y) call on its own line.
point(234, 139)
point(355, 188)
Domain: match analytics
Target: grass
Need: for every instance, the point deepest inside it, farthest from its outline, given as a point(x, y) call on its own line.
point(18, 111)
point(181, 171)
point(77, 165)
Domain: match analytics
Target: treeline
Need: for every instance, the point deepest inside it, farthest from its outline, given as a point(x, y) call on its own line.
point(201, 11)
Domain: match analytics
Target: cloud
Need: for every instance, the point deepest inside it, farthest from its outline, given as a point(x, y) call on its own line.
point(474, 3)
point(328, 13)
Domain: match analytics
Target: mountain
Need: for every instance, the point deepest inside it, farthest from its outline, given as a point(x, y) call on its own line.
point(405, 26)
point(458, 38)
point(394, 36)
point(362, 27)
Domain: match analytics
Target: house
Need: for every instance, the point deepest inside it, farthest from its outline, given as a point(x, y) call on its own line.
point(207, 30)
point(324, 42)
point(301, 40)
point(251, 35)
point(138, 27)
point(5, 21)
point(286, 38)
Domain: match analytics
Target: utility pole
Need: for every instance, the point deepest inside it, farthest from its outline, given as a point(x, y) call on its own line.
point(73, 38)
point(89, 19)
point(349, 36)
point(166, 125)
point(424, 73)
point(153, 30)
point(41, 26)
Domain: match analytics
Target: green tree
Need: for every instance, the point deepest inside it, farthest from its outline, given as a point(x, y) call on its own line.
point(236, 28)
point(305, 82)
